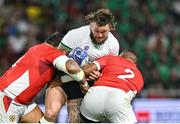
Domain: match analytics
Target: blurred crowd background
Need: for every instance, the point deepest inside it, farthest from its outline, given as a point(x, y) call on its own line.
point(150, 27)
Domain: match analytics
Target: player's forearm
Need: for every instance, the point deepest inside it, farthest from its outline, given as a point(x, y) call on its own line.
point(69, 66)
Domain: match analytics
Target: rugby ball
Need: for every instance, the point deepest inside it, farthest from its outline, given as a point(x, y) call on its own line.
point(79, 55)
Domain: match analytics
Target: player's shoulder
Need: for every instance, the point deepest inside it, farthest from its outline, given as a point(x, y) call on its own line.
point(112, 41)
point(37, 46)
point(109, 57)
point(112, 37)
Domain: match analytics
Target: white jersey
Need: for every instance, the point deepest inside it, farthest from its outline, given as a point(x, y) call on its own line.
point(80, 37)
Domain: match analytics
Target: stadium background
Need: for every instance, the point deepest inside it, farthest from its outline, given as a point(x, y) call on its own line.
point(150, 27)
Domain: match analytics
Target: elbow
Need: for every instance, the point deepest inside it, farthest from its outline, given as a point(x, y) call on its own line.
point(72, 67)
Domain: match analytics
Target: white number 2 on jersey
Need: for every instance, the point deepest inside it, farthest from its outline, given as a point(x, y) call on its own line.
point(128, 74)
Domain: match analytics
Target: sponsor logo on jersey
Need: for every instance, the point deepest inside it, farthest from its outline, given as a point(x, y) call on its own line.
point(86, 48)
point(12, 118)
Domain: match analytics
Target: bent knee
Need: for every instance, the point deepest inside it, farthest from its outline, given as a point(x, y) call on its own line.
point(52, 113)
point(54, 108)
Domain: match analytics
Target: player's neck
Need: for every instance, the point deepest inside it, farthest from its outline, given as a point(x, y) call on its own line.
point(48, 45)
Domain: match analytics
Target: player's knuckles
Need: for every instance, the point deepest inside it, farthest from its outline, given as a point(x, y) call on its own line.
point(92, 78)
point(97, 73)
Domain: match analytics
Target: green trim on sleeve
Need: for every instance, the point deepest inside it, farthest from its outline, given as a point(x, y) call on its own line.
point(66, 47)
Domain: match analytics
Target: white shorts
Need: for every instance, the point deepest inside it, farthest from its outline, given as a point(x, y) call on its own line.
point(10, 111)
point(101, 103)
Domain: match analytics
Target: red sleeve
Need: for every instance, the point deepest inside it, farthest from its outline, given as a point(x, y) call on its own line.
point(102, 61)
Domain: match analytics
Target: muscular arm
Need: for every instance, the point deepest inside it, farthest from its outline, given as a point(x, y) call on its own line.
point(69, 66)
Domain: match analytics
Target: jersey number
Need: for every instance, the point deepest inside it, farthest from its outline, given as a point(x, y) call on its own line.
point(129, 74)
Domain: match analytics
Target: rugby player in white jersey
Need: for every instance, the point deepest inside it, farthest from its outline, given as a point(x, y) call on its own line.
point(96, 38)
point(24, 80)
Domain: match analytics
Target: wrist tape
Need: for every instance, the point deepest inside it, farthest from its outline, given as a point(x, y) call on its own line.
point(78, 76)
point(60, 64)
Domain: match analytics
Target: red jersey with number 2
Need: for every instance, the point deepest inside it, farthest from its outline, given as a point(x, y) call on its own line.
point(119, 72)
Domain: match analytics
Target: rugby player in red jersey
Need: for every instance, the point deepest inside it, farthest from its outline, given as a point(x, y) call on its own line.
point(110, 96)
point(24, 80)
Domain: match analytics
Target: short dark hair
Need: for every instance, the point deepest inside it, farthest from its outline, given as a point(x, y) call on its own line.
point(54, 39)
point(130, 54)
point(101, 17)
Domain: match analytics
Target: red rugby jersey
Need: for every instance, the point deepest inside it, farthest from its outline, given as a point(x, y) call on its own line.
point(30, 73)
point(119, 72)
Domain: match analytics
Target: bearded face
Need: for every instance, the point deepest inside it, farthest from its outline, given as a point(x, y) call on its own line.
point(99, 33)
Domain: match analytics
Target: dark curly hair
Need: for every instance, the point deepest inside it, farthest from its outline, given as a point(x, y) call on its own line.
point(101, 17)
